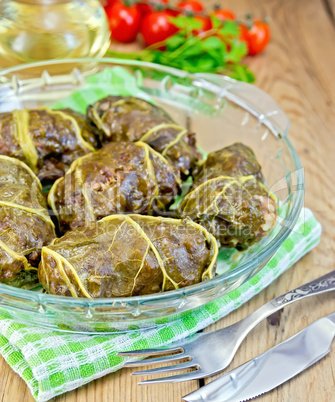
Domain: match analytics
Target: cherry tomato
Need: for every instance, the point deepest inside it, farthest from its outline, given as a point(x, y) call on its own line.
point(257, 37)
point(157, 27)
point(145, 7)
point(193, 6)
point(124, 22)
point(206, 24)
point(224, 14)
point(106, 3)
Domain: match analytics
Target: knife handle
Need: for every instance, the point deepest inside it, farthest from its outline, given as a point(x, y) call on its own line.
point(325, 283)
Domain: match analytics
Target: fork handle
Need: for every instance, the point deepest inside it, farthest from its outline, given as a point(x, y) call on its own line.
point(322, 284)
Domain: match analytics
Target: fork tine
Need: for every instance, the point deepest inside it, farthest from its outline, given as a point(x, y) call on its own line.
point(165, 369)
point(192, 375)
point(143, 352)
point(162, 359)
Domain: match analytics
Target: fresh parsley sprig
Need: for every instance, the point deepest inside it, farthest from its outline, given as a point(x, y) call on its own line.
point(217, 50)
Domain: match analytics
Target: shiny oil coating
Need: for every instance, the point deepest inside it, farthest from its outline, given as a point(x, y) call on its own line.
point(120, 177)
point(229, 198)
point(128, 255)
point(48, 141)
point(25, 225)
point(117, 118)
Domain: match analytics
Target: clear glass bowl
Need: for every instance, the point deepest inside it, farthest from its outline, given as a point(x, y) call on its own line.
point(221, 111)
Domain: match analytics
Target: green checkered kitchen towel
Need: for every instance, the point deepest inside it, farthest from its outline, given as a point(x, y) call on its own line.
point(52, 363)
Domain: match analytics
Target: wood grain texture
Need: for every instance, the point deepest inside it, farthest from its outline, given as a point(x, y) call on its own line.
point(120, 386)
point(297, 70)
point(330, 7)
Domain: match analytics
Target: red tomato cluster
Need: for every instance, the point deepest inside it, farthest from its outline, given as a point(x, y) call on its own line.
point(151, 19)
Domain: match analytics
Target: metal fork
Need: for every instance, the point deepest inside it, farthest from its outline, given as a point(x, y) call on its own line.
point(211, 352)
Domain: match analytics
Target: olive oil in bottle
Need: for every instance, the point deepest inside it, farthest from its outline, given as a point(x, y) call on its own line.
point(33, 30)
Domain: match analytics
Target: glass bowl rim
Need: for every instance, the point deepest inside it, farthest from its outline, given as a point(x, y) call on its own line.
point(241, 269)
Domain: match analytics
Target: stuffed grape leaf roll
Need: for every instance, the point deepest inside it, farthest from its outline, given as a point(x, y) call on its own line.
point(230, 199)
point(117, 118)
point(25, 225)
point(48, 141)
point(128, 255)
point(122, 177)
point(235, 160)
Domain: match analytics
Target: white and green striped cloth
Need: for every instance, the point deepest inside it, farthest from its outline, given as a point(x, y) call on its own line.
point(52, 363)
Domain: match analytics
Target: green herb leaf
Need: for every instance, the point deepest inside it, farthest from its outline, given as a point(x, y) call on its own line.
point(218, 50)
point(229, 28)
point(206, 62)
point(186, 23)
point(211, 43)
point(174, 41)
point(216, 23)
point(239, 72)
point(237, 51)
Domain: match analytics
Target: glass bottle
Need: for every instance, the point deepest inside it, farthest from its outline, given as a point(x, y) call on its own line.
point(32, 30)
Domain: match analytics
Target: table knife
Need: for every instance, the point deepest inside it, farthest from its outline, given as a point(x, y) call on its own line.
point(272, 368)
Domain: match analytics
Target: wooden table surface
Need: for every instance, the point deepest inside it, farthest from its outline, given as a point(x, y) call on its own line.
point(298, 70)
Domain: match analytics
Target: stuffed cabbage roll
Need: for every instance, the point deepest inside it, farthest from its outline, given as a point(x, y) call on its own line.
point(48, 141)
point(235, 160)
point(232, 203)
point(128, 255)
point(25, 225)
point(117, 118)
point(122, 177)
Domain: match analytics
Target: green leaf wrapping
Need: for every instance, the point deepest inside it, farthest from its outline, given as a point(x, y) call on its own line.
point(230, 199)
point(121, 177)
point(117, 118)
point(46, 140)
point(25, 225)
point(234, 160)
point(128, 255)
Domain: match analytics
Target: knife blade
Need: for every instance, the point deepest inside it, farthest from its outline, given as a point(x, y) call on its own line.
point(272, 368)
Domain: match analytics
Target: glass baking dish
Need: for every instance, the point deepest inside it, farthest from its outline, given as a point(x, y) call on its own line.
point(221, 111)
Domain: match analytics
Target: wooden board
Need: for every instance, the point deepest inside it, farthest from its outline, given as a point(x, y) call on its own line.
point(297, 70)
